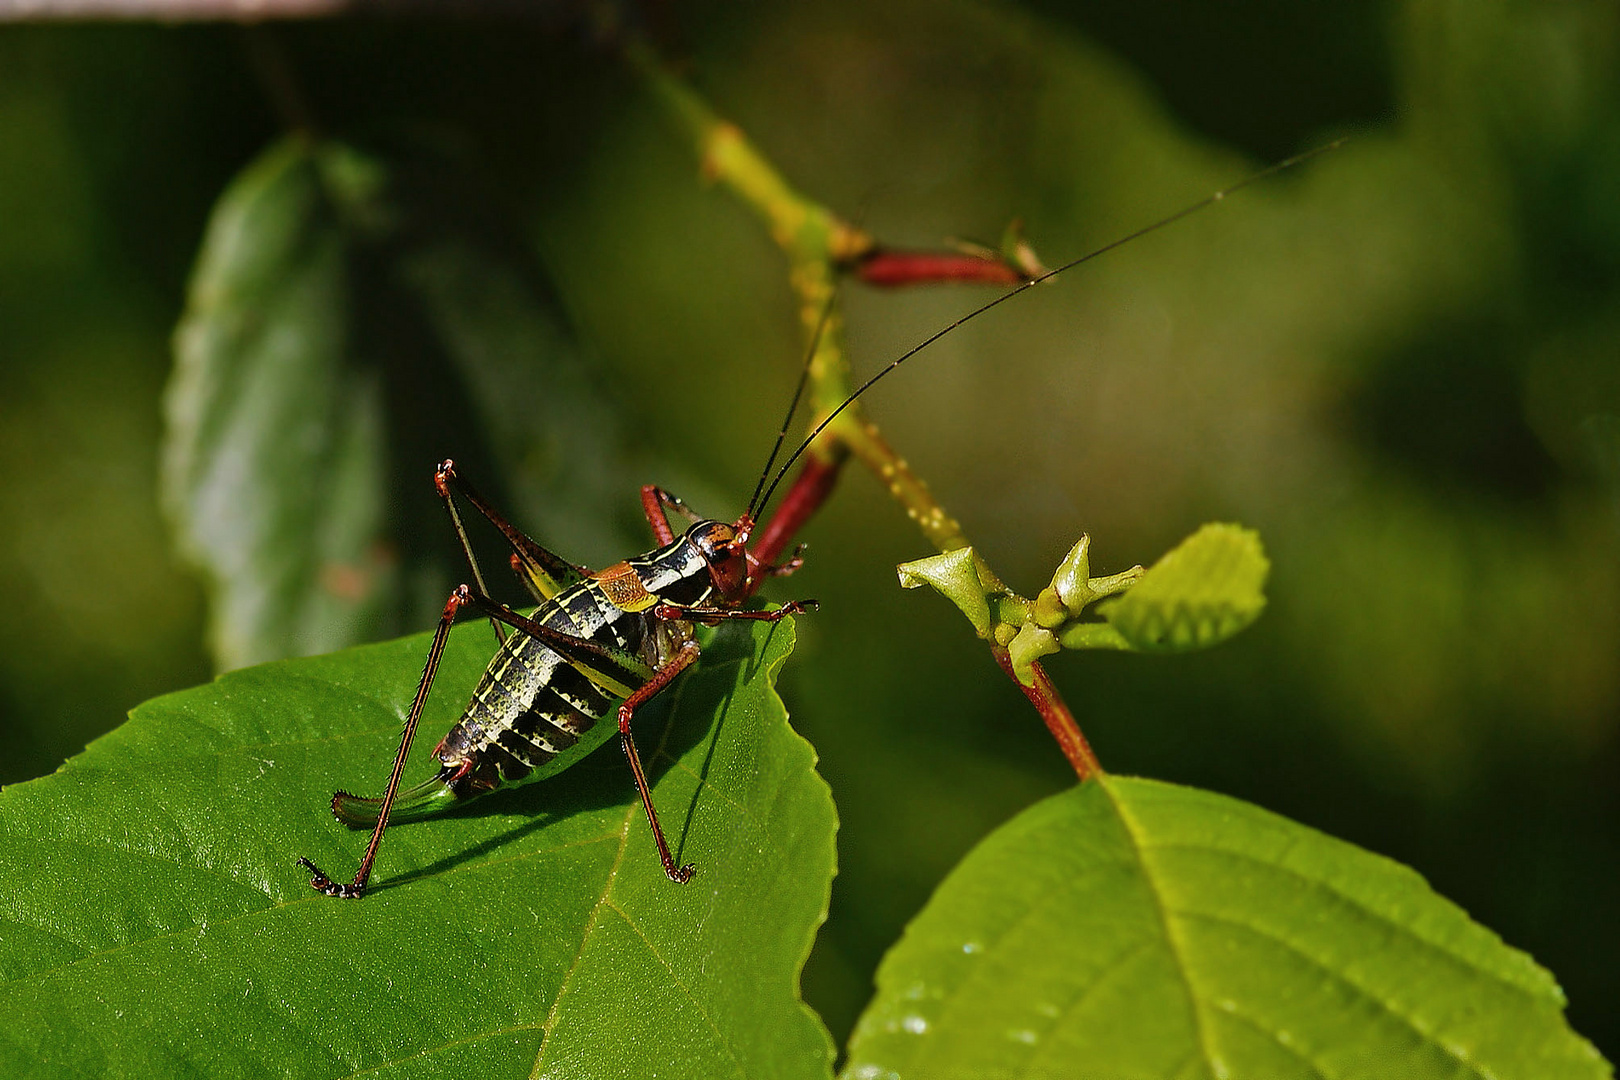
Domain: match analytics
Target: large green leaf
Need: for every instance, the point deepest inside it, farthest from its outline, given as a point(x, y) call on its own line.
point(1135, 929)
point(353, 319)
point(154, 923)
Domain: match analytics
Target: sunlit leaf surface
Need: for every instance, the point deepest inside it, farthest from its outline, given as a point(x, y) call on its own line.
point(1131, 928)
point(154, 923)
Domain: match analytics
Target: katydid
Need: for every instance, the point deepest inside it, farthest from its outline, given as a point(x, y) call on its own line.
point(619, 634)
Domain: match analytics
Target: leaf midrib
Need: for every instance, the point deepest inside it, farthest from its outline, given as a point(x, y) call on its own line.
point(1194, 1004)
point(1408, 1022)
point(1325, 886)
point(1197, 1004)
point(603, 901)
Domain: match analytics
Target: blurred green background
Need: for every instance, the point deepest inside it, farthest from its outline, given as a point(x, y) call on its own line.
point(1401, 364)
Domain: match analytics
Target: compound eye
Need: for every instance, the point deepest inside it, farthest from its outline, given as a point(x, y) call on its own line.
point(723, 548)
point(715, 539)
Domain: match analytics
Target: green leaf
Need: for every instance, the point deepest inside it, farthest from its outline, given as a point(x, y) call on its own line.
point(1207, 589)
point(1135, 929)
point(155, 924)
point(955, 576)
point(353, 319)
point(274, 467)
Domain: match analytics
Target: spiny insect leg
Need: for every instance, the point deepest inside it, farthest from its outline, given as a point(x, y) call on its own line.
point(811, 488)
point(712, 616)
point(545, 572)
point(682, 660)
point(357, 888)
point(614, 670)
point(443, 480)
point(656, 503)
point(688, 655)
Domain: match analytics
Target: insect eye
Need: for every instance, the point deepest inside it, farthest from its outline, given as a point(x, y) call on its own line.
point(716, 540)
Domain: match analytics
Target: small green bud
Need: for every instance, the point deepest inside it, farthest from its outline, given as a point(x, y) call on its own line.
point(1029, 645)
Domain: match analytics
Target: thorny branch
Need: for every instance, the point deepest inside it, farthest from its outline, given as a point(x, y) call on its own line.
point(819, 246)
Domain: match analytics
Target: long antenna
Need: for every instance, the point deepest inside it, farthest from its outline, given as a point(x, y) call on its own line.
point(798, 395)
point(1192, 208)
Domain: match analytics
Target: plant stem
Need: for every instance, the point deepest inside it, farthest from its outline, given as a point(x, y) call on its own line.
point(1055, 712)
point(818, 245)
point(810, 489)
point(891, 269)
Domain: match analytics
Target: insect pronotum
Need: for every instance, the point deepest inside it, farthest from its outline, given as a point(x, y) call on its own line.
point(619, 634)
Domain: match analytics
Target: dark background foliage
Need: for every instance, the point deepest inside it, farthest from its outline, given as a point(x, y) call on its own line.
point(1403, 368)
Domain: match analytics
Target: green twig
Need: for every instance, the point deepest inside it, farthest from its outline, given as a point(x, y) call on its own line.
point(817, 244)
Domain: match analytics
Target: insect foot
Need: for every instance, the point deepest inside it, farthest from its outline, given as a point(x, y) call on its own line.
point(321, 883)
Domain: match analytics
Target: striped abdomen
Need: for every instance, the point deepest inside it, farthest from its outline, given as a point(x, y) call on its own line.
point(532, 705)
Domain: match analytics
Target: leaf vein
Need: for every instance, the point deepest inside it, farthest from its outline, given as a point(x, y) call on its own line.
point(1275, 1034)
point(684, 989)
point(550, 1023)
point(1361, 991)
point(1373, 913)
point(466, 1040)
point(1117, 964)
point(1132, 833)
